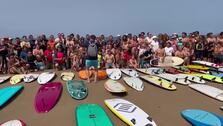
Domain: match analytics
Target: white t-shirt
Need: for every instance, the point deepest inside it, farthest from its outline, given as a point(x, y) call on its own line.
point(154, 45)
point(149, 40)
point(168, 51)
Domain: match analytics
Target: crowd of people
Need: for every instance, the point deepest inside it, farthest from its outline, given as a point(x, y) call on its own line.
point(26, 54)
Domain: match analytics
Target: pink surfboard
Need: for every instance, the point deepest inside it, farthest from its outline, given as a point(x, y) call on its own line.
point(47, 96)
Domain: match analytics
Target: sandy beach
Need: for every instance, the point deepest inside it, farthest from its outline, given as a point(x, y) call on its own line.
point(164, 106)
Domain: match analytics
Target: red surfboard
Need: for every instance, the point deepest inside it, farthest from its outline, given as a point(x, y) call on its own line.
point(47, 96)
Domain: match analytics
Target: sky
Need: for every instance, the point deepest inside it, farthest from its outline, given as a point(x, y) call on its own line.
point(109, 17)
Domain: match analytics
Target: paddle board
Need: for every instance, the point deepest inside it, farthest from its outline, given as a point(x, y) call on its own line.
point(174, 78)
point(192, 78)
point(92, 115)
point(102, 74)
point(209, 77)
point(199, 67)
point(157, 81)
point(84, 75)
point(13, 123)
point(7, 93)
point(16, 78)
point(207, 64)
point(210, 91)
point(114, 74)
point(77, 89)
point(201, 118)
point(47, 96)
point(168, 62)
point(4, 78)
point(66, 76)
point(114, 86)
point(30, 77)
point(151, 70)
point(134, 82)
point(45, 77)
point(130, 72)
point(129, 112)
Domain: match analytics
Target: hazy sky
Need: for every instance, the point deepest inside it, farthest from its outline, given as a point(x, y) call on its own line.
point(23, 17)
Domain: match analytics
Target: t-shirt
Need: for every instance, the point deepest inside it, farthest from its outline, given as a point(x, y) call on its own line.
point(23, 55)
point(168, 51)
point(89, 57)
point(31, 59)
point(60, 56)
point(154, 45)
point(48, 55)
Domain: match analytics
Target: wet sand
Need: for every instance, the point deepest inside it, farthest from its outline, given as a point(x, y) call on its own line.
point(164, 106)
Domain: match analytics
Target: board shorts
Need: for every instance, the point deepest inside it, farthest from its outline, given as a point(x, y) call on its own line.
point(40, 65)
point(91, 63)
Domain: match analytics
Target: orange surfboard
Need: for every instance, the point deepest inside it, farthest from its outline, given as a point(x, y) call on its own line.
point(83, 74)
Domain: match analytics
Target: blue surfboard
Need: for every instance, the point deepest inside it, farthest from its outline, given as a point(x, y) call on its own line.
point(201, 118)
point(7, 93)
point(216, 73)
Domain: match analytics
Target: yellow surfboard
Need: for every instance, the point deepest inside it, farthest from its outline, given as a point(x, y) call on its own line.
point(210, 77)
point(66, 76)
point(16, 78)
point(200, 67)
point(159, 82)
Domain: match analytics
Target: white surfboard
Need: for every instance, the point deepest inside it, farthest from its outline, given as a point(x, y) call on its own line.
point(152, 70)
point(130, 72)
point(45, 77)
point(129, 113)
point(30, 77)
point(4, 78)
point(114, 74)
point(192, 78)
point(114, 86)
point(208, 90)
point(207, 64)
point(134, 82)
point(174, 78)
point(13, 123)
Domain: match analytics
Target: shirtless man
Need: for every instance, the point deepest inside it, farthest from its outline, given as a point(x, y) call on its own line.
point(160, 53)
point(109, 59)
point(133, 63)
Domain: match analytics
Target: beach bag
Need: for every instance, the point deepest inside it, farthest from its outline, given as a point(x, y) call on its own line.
point(92, 50)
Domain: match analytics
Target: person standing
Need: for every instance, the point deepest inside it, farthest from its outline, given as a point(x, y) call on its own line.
point(91, 62)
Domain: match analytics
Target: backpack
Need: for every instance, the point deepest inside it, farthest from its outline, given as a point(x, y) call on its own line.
point(92, 50)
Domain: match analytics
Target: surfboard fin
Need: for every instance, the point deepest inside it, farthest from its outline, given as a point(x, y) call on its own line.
point(193, 78)
point(176, 79)
point(213, 78)
point(133, 121)
point(150, 119)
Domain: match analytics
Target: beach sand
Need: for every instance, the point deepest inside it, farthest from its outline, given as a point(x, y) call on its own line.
point(164, 106)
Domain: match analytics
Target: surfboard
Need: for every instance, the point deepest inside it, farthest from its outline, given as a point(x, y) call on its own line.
point(102, 74)
point(174, 78)
point(182, 69)
point(114, 86)
point(134, 82)
point(77, 89)
point(130, 72)
point(83, 74)
point(216, 73)
point(129, 112)
point(30, 77)
point(4, 78)
point(210, 91)
point(172, 70)
point(92, 115)
point(47, 96)
point(151, 70)
point(199, 67)
point(168, 62)
point(45, 77)
point(207, 64)
point(192, 78)
point(201, 118)
point(13, 123)
point(16, 78)
point(7, 93)
point(157, 81)
point(210, 77)
point(114, 74)
point(66, 76)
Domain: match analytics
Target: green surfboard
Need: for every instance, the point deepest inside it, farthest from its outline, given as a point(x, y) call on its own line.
point(77, 89)
point(92, 115)
point(210, 77)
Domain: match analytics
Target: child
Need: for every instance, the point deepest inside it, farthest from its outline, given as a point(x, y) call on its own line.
point(76, 61)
